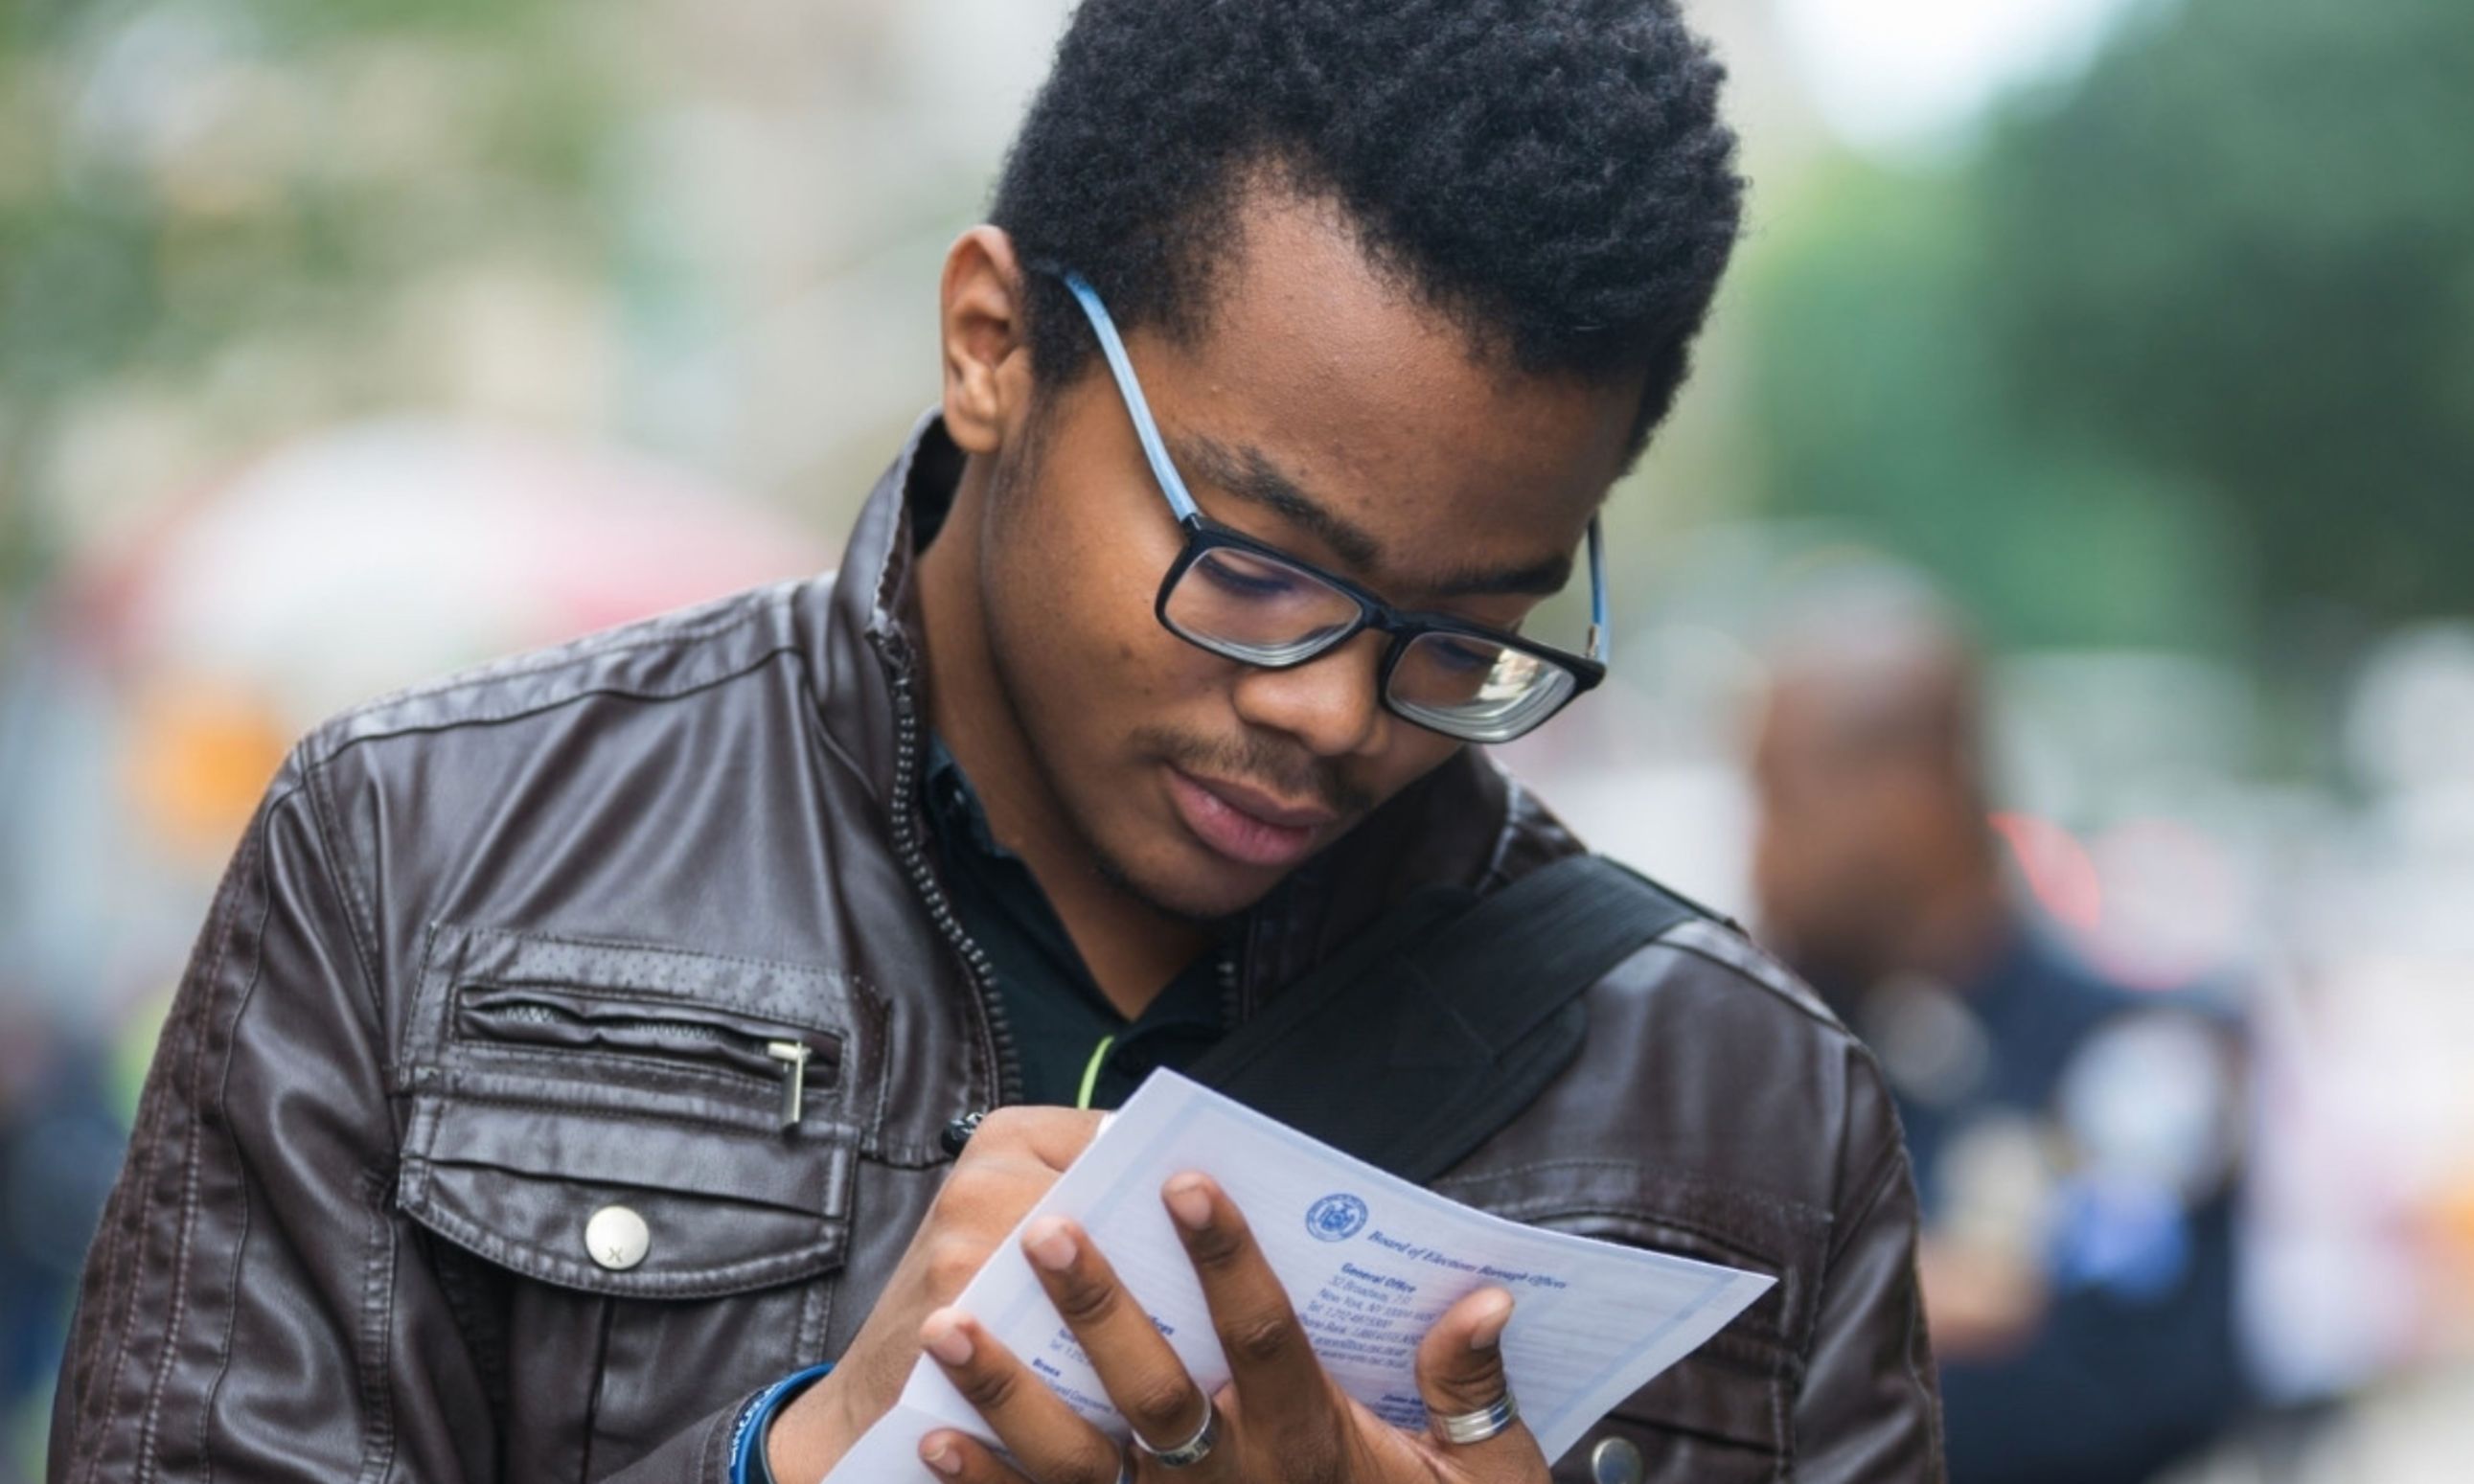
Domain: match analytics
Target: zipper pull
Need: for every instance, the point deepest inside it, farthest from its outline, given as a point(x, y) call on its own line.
point(794, 1057)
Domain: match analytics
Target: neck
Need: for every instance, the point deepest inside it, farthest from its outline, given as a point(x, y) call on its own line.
point(1132, 948)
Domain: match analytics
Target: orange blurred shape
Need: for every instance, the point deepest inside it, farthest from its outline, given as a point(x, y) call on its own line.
point(2059, 870)
point(2452, 1215)
point(198, 756)
point(2448, 1224)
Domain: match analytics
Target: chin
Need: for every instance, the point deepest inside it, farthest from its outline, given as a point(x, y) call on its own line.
point(1199, 888)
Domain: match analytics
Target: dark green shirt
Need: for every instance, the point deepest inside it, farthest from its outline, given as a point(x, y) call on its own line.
point(1060, 1020)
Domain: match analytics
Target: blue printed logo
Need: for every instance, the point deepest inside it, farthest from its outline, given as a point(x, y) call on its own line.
point(1336, 1217)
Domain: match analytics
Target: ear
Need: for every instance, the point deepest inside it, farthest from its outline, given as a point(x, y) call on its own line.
point(987, 357)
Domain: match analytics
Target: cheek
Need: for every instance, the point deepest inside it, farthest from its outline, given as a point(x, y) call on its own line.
point(1413, 753)
point(1071, 592)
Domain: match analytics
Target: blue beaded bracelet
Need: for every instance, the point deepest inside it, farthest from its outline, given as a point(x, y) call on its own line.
point(749, 1464)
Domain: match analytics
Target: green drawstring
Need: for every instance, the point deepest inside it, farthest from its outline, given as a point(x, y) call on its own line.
point(1091, 1072)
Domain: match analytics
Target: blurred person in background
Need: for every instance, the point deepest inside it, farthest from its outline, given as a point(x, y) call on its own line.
point(2073, 1140)
point(59, 1138)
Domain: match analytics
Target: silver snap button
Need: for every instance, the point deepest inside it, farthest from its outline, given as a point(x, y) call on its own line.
point(617, 1237)
point(1617, 1461)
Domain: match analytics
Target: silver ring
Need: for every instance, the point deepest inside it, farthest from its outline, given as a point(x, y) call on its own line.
point(1194, 1450)
point(1467, 1427)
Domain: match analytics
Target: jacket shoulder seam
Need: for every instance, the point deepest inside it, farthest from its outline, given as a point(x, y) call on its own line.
point(106, 1379)
point(185, 1241)
point(340, 732)
point(1682, 937)
point(1886, 1169)
point(755, 662)
point(361, 918)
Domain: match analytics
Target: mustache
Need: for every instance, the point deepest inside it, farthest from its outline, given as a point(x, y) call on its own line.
point(1272, 765)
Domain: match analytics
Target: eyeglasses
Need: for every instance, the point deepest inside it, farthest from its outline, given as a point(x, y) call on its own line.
point(1248, 602)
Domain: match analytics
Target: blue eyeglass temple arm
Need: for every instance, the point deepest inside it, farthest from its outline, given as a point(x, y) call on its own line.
point(1597, 592)
point(1113, 346)
point(1173, 485)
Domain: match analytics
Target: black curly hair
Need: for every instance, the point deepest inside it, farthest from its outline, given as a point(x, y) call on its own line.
point(1551, 174)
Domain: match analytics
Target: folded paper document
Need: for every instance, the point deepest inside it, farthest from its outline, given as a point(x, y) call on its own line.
point(1370, 1260)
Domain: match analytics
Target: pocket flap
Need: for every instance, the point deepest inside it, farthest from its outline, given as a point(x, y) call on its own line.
point(724, 1210)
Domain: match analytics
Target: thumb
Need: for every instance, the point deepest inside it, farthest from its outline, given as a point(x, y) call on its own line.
point(1460, 1374)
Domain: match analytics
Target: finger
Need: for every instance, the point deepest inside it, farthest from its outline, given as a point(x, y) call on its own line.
point(1141, 1373)
point(1271, 1364)
point(1054, 1136)
point(1046, 1438)
point(961, 1457)
point(1460, 1371)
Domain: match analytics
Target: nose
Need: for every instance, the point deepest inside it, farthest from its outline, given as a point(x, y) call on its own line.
point(1330, 704)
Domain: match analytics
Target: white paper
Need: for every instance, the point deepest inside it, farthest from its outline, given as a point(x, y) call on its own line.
point(1370, 1260)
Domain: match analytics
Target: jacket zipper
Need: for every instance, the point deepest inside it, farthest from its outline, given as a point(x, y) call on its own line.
point(912, 850)
point(909, 846)
point(782, 1060)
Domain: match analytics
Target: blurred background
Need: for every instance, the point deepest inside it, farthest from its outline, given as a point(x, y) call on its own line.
point(344, 343)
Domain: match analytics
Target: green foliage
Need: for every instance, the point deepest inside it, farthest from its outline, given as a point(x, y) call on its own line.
point(1881, 403)
point(2191, 341)
point(2244, 249)
point(184, 181)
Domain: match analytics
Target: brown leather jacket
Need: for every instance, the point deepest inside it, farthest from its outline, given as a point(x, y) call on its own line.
point(504, 951)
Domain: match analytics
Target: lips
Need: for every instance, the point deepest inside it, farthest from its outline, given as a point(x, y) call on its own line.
point(1244, 823)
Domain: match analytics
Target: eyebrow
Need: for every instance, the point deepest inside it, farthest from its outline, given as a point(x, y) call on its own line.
point(1249, 475)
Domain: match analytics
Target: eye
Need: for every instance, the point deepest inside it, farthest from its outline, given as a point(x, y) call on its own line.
point(1461, 656)
point(1243, 577)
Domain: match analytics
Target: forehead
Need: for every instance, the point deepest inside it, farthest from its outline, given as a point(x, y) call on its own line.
point(1381, 408)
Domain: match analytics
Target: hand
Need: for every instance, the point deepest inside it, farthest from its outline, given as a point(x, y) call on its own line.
point(1281, 1419)
point(1012, 1158)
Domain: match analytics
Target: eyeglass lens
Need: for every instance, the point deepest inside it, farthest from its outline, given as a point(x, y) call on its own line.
point(1476, 688)
point(1254, 608)
point(1263, 611)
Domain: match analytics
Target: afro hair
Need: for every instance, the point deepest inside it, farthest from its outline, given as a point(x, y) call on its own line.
point(1553, 175)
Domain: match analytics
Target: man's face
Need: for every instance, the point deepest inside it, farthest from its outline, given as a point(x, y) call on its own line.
point(1840, 830)
point(1328, 414)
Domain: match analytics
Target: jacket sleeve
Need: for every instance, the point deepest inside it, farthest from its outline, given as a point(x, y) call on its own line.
point(1869, 1409)
point(254, 1309)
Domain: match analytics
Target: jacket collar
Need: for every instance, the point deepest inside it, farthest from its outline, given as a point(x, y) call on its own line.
point(862, 623)
point(1468, 824)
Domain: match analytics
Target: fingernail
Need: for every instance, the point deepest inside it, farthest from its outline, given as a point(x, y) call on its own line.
point(947, 1339)
point(943, 1457)
point(1050, 1245)
point(1489, 1332)
point(1189, 1202)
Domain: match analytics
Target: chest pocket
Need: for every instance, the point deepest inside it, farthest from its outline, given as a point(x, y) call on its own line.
point(640, 1160)
point(1722, 1414)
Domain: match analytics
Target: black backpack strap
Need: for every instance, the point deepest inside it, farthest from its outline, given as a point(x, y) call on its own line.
point(1439, 1024)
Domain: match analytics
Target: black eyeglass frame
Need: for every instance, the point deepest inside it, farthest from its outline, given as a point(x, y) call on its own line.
point(1403, 626)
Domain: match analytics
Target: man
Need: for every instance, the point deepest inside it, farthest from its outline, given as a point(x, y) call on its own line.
point(2073, 1139)
point(566, 1071)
